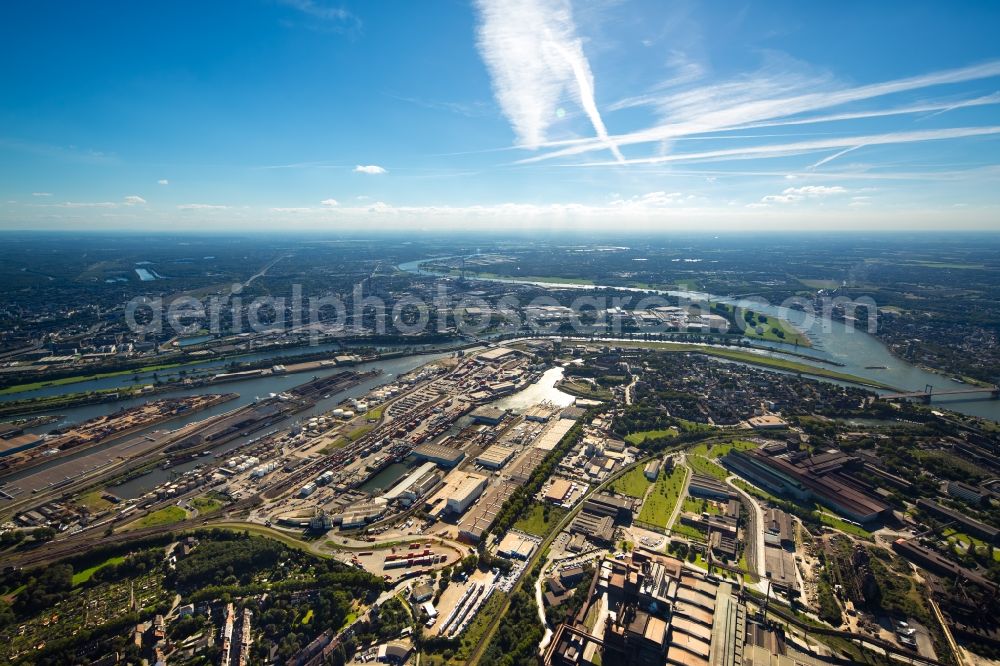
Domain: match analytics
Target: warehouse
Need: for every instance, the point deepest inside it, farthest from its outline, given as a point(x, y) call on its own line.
point(515, 546)
point(778, 529)
point(445, 456)
point(709, 488)
point(467, 492)
point(969, 525)
point(416, 484)
point(558, 491)
point(497, 354)
point(438, 504)
point(495, 456)
point(488, 415)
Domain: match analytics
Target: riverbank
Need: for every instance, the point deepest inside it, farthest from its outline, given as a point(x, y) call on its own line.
point(750, 358)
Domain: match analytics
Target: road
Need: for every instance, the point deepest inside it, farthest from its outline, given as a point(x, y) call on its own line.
point(682, 495)
point(754, 531)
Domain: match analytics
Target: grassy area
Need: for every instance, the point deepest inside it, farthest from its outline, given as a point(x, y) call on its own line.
point(375, 413)
point(94, 501)
point(753, 359)
point(660, 503)
point(637, 438)
point(700, 506)
point(81, 577)
point(206, 505)
point(307, 618)
point(759, 493)
point(633, 483)
point(584, 390)
point(962, 540)
point(848, 528)
point(718, 449)
point(62, 381)
point(540, 520)
point(164, 516)
point(706, 467)
point(772, 329)
point(359, 432)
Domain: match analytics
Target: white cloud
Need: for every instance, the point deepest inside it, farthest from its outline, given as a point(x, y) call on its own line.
point(134, 200)
point(815, 190)
point(651, 200)
point(299, 209)
point(804, 147)
point(370, 169)
point(330, 203)
point(88, 204)
point(535, 58)
point(41, 194)
point(770, 98)
point(781, 198)
point(793, 194)
point(200, 206)
point(163, 181)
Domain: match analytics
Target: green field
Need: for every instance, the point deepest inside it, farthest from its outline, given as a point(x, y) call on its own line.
point(637, 438)
point(963, 540)
point(700, 506)
point(164, 516)
point(634, 483)
point(714, 450)
point(584, 390)
point(706, 467)
point(540, 520)
point(206, 505)
point(660, 502)
point(81, 577)
point(772, 329)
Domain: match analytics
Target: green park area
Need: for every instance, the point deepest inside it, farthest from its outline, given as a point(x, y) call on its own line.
point(81, 577)
point(164, 516)
point(633, 483)
point(637, 438)
point(660, 502)
point(540, 519)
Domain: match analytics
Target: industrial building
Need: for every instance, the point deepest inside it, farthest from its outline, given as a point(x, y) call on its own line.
point(440, 502)
point(662, 614)
point(445, 456)
point(496, 354)
point(467, 492)
point(940, 565)
point(969, 525)
point(415, 485)
point(709, 488)
point(540, 413)
point(824, 477)
point(616, 507)
point(970, 494)
point(558, 490)
point(488, 415)
point(516, 546)
point(652, 470)
point(495, 457)
point(778, 529)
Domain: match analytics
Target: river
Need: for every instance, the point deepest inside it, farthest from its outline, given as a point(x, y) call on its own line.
point(857, 352)
point(248, 391)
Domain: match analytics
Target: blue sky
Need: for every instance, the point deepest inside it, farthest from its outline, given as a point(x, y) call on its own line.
point(495, 114)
